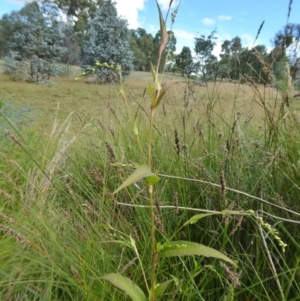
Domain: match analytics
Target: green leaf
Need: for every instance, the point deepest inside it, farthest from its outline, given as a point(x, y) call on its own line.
point(132, 242)
point(127, 285)
point(157, 83)
point(141, 172)
point(135, 128)
point(194, 219)
point(152, 179)
point(161, 288)
point(188, 248)
point(152, 71)
point(163, 91)
point(150, 91)
point(158, 247)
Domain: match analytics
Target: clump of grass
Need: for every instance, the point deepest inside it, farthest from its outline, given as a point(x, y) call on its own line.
point(62, 227)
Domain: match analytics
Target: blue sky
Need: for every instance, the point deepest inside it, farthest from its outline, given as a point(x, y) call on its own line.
point(230, 18)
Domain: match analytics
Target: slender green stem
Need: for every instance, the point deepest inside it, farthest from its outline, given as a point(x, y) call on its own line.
point(150, 139)
point(140, 148)
point(122, 92)
point(150, 192)
point(153, 244)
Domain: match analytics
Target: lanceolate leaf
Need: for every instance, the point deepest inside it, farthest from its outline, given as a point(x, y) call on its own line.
point(150, 91)
point(127, 285)
point(194, 219)
point(188, 248)
point(163, 91)
point(161, 288)
point(152, 71)
point(141, 172)
point(135, 128)
point(155, 78)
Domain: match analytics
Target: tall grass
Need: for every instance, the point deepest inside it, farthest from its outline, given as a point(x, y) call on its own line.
point(60, 222)
point(219, 147)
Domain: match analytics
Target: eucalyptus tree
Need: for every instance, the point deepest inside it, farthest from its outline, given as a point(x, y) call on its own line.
point(82, 10)
point(7, 30)
point(230, 62)
point(288, 39)
point(142, 46)
point(184, 61)
point(107, 40)
point(72, 55)
point(37, 40)
point(204, 46)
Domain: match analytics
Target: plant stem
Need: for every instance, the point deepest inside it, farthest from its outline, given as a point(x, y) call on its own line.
point(150, 192)
point(150, 139)
point(153, 243)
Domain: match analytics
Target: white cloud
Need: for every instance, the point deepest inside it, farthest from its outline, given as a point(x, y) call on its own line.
point(247, 40)
point(153, 29)
point(184, 38)
point(181, 44)
point(224, 18)
point(208, 21)
point(220, 39)
point(184, 35)
point(217, 49)
point(129, 10)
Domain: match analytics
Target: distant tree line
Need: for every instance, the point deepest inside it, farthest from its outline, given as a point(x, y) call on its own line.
point(35, 38)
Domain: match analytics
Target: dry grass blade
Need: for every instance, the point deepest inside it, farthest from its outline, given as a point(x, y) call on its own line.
point(233, 190)
point(163, 32)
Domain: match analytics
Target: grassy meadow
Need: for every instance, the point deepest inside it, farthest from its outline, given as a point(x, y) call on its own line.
point(67, 146)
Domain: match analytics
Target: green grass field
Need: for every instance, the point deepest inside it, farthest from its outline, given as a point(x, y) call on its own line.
point(65, 148)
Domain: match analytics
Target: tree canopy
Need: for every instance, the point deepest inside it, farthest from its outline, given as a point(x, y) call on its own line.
point(107, 40)
point(37, 36)
point(141, 44)
point(184, 61)
point(82, 10)
point(37, 39)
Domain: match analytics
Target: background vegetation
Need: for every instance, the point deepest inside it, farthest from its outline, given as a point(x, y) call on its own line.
point(65, 146)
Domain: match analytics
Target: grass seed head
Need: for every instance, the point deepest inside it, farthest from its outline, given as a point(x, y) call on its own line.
point(177, 145)
point(11, 232)
point(110, 151)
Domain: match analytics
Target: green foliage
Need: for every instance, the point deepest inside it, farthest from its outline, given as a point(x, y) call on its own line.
point(161, 288)
point(125, 284)
point(141, 172)
point(188, 248)
point(8, 26)
point(288, 39)
point(78, 230)
point(83, 10)
point(184, 61)
point(70, 43)
point(62, 226)
point(141, 44)
point(36, 42)
point(206, 61)
point(107, 41)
